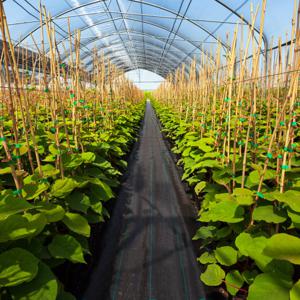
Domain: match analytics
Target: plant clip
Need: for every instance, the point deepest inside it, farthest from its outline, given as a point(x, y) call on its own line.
point(294, 145)
point(241, 143)
point(294, 124)
point(81, 101)
point(260, 195)
point(46, 90)
point(75, 103)
point(279, 156)
point(52, 129)
point(227, 99)
point(284, 167)
point(254, 115)
point(15, 157)
point(44, 180)
point(242, 120)
point(18, 146)
point(17, 192)
point(282, 123)
point(2, 139)
point(269, 155)
point(72, 95)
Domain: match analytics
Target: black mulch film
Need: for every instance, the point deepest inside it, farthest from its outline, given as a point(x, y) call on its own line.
point(148, 252)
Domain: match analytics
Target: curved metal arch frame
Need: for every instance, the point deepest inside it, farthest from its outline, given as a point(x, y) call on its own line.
point(163, 72)
point(194, 23)
point(152, 44)
point(146, 22)
point(145, 3)
point(153, 5)
point(154, 49)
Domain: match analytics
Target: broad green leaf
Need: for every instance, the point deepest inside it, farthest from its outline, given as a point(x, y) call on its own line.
point(253, 247)
point(295, 217)
point(6, 170)
point(267, 286)
point(225, 211)
point(63, 187)
point(43, 287)
point(72, 161)
point(291, 198)
point(285, 247)
point(17, 226)
point(213, 275)
point(207, 258)
point(100, 190)
point(33, 190)
point(204, 232)
point(88, 157)
point(226, 255)
point(78, 201)
point(249, 276)
point(234, 281)
point(53, 212)
point(66, 247)
point(17, 266)
point(243, 196)
point(295, 291)
point(77, 223)
point(10, 205)
point(269, 214)
point(48, 170)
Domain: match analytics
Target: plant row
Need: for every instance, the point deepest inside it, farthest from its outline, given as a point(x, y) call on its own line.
point(248, 225)
point(46, 220)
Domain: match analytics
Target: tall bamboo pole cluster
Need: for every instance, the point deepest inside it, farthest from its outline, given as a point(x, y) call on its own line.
point(41, 85)
point(247, 102)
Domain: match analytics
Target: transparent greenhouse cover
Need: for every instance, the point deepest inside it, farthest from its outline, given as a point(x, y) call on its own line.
point(155, 35)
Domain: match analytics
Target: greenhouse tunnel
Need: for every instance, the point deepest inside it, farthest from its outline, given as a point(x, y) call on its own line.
point(149, 149)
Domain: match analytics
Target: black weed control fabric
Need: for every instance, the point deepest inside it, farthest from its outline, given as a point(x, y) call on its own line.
point(147, 253)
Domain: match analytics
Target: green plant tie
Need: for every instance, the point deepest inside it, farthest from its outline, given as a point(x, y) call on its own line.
point(294, 114)
point(63, 65)
point(18, 146)
point(86, 106)
point(294, 124)
point(2, 139)
point(227, 99)
point(282, 123)
point(81, 101)
point(284, 167)
point(242, 120)
point(222, 156)
point(46, 90)
point(52, 129)
point(260, 195)
point(286, 149)
point(280, 156)
point(294, 145)
point(17, 192)
point(44, 180)
point(269, 155)
point(254, 115)
point(72, 95)
point(241, 143)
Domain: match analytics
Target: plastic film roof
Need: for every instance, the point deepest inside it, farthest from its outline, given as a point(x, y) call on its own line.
point(156, 35)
